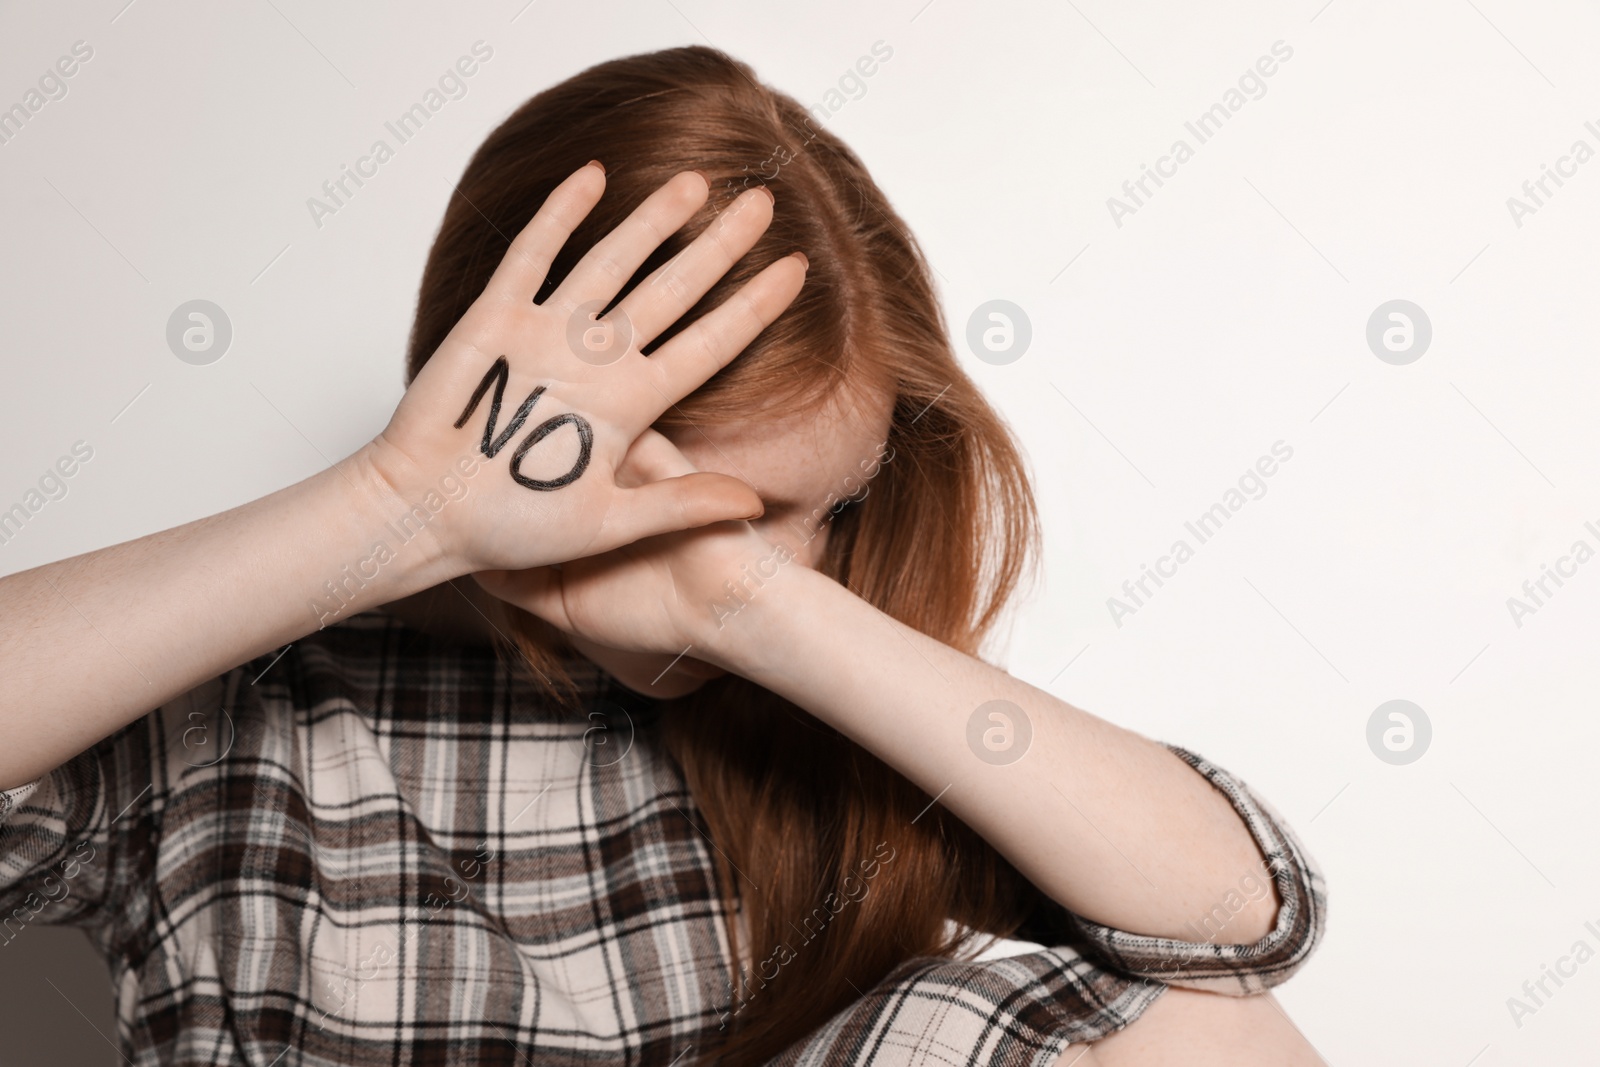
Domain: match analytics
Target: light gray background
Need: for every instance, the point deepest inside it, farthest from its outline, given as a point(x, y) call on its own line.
point(1168, 354)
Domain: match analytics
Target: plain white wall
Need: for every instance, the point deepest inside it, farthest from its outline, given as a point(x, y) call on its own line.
point(1168, 353)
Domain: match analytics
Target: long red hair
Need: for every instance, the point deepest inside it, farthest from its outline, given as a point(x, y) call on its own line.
point(940, 541)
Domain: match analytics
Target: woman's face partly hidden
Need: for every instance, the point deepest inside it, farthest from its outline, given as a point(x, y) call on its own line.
point(795, 463)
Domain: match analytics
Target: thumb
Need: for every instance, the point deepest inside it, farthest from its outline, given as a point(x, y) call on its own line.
point(536, 590)
point(681, 503)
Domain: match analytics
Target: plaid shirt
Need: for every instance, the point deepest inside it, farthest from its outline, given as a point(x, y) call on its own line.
point(386, 848)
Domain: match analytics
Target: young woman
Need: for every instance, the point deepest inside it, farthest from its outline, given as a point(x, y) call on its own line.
point(702, 764)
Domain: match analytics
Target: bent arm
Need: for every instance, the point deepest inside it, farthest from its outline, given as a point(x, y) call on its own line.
point(91, 643)
point(1203, 959)
point(1113, 826)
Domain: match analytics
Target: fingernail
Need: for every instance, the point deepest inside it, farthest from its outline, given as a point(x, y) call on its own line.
point(804, 262)
point(597, 163)
point(770, 198)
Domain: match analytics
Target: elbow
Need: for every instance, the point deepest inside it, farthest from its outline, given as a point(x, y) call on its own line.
point(1244, 947)
point(1296, 930)
point(1240, 921)
point(1280, 913)
point(1249, 913)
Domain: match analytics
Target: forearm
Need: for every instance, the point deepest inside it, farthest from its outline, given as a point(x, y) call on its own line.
point(89, 644)
point(1109, 824)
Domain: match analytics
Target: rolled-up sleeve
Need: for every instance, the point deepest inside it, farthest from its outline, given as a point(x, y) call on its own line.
point(51, 835)
point(1204, 963)
point(61, 835)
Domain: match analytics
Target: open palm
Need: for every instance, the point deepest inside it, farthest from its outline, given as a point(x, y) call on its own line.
point(549, 414)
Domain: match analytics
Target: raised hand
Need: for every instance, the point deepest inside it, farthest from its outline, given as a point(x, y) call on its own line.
point(548, 420)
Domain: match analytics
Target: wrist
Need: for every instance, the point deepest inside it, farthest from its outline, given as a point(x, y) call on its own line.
point(757, 621)
point(394, 539)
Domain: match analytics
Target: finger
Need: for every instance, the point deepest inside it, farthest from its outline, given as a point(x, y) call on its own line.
point(524, 266)
point(711, 342)
point(675, 286)
point(681, 503)
point(606, 267)
point(537, 590)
